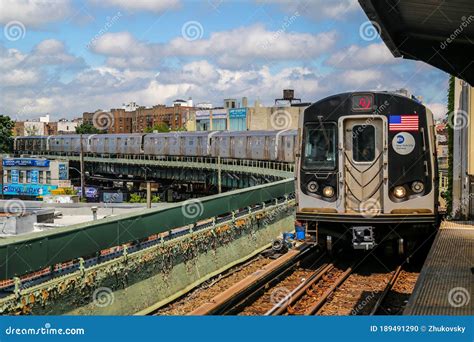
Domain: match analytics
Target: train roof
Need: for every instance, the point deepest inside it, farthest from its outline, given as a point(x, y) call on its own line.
point(347, 95)
point(252, 133)
point(119, 135)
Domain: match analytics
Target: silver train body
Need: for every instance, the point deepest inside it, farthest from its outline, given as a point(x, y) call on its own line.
point(250, 145)
point(366, 171)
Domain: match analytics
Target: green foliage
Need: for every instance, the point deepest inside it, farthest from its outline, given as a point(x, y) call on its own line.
point(87, 128)
point(449, 193)
point(69, 191)
point(6, 131)
point(160, 128)
point(180, 129)
point(136, 198)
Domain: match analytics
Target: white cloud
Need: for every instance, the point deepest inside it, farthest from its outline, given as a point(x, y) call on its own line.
point(156, 6)
point(34, 12)
point(227, 48)
point(439, 110)
point(361, 78)
point(230, 50)
point(356, 56)
point(317, 9)
point(19, 77)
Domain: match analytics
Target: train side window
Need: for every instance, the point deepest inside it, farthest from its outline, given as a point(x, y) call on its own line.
point(363, 143)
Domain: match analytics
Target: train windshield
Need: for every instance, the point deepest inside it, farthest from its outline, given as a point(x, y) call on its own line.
point(320, 146)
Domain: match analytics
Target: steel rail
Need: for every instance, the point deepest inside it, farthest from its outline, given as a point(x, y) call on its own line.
point(387, 289)
point(232, 300)
point(316, 307)
point(286, 303)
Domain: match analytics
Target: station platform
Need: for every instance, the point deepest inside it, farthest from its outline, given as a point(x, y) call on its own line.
point(446, 282)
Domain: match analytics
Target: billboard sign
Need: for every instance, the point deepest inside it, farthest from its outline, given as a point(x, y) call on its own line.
point(34, 176)
point(28, 189)
point(203, 114)
point(63, 174)
point(15, 176)
point(238, 113)
point(25, 162)
point(219, 113)
point(91, 192)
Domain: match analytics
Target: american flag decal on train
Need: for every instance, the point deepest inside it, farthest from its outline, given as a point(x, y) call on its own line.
point(403, 123)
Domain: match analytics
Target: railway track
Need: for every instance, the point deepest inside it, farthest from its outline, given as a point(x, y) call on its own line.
point(289, 269)
point(305, 281)
point(327, 287)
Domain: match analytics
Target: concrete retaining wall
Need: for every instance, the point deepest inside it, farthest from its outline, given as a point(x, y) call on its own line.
point(145, 280)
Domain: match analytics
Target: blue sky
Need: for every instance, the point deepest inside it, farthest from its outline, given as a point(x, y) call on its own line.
point(67, 57)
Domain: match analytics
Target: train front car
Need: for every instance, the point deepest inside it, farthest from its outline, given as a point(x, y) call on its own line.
point(366, 171)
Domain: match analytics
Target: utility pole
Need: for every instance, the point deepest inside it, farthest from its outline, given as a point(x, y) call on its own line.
point(148, 195)
point(81, 161)
point(219, 172)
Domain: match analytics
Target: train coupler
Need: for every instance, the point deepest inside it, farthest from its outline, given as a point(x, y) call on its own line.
point(363, 237)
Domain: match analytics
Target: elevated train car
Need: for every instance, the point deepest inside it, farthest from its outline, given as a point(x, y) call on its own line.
point(366, 170)
point(70, 143)
point(253, 145)
point(116, 144)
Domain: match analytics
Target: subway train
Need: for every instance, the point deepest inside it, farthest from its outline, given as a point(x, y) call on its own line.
point(366, 171)
point(251, 145)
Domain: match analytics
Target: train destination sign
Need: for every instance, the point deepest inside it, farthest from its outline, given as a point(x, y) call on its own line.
point(362, 103)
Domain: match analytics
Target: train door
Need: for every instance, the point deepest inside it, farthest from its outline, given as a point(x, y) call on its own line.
point(363, 164)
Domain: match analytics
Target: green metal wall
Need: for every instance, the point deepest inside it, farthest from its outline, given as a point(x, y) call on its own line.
point(36, 251)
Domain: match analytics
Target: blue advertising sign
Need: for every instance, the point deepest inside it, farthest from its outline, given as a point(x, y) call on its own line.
point(91, 192)
point(63, 172)
point(28, 189)
point(15, 176)
point(238, 113)
point(25, 162)
point(34, 176)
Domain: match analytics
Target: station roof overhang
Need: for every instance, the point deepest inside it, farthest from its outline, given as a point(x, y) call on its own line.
point(438, 32)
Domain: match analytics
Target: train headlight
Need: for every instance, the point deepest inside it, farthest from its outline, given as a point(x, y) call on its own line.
point(312, 186)
point(399, 191)
point(328, 191)
point(417, 187)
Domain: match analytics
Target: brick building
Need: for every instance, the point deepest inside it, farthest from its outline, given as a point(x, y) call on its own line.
point(137, 120)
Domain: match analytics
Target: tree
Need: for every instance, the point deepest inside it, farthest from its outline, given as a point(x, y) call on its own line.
point(161, 127)
point(87, 128)
point(6, 131)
